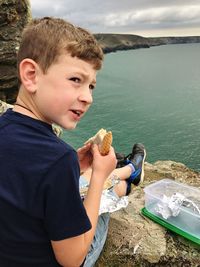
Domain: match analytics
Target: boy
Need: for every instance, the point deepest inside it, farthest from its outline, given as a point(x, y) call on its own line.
point(43, 220)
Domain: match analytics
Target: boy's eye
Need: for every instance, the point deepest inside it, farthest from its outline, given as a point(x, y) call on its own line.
point(91, 86)
point(75, 79)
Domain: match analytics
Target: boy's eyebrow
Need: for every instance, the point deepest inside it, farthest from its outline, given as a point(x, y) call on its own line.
point(85, 76)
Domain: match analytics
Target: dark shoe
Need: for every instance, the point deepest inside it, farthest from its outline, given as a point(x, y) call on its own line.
point(121, 160)
point(136, 158)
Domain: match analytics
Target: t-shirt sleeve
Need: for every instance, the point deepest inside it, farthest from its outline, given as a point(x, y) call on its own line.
point(65, 215)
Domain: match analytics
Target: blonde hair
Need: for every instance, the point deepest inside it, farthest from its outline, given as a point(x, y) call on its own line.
point(45, 39)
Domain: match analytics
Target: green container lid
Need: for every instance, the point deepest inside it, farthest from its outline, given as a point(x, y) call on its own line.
point(170, 226)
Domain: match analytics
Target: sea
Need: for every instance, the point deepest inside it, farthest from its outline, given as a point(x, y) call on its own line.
point(149, 96)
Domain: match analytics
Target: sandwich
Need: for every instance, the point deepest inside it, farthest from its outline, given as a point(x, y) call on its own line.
point(103, 139)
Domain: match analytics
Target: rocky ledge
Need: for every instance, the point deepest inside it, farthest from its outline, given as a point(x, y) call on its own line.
point(135, 240)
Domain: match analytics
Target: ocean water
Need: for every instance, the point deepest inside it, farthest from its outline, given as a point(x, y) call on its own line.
point(150, 96)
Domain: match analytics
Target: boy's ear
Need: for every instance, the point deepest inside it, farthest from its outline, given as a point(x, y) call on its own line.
point(28, 74)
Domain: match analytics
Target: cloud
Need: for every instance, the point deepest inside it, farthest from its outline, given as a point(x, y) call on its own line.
point(122, 16)
point(159, 15)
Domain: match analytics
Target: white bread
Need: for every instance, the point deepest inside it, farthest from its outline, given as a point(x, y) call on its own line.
point(103, 139)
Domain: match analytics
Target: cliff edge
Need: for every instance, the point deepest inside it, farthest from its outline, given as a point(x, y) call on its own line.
point(134, 240)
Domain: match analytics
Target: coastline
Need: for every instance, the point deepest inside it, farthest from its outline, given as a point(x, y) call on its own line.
point(118, 42)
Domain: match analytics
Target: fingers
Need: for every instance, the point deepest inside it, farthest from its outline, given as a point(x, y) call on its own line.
point(112, 151)
point(103, 164)
point(95, 150)
point(84, 149)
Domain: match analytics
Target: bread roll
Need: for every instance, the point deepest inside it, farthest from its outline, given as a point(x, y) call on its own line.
point(103, 139)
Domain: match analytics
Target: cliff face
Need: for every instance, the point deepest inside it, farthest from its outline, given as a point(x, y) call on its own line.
point(173, 40)
point(115, 42)
point(14, 14)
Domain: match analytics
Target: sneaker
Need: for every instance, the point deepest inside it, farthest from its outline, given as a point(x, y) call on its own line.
point(121, 159)
point(136, 159)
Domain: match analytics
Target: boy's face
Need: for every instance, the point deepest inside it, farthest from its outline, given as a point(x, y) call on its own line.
point(64, 93)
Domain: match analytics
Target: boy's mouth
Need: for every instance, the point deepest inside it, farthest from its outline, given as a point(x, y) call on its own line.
point(77, 112)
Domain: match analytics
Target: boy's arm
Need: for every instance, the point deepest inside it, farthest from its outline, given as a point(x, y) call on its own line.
point(72, 251)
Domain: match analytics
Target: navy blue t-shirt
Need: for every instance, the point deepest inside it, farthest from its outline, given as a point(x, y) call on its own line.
point(39, 192)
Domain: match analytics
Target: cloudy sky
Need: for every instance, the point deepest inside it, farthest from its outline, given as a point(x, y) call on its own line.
point(142, 17)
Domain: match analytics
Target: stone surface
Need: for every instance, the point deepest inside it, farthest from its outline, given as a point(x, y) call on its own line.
point(135, 240)
point(14, 15)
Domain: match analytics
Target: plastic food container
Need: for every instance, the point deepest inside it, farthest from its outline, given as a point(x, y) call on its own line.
point(175, 206)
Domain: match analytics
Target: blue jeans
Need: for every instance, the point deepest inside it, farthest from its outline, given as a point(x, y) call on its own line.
point(99, 237)
point(98, 241)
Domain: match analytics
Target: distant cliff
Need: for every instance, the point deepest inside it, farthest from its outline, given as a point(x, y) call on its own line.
point(116, 42)
point(173, 40)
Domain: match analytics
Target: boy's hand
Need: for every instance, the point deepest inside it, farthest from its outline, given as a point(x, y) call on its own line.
point(85, 157)
point(103, 165)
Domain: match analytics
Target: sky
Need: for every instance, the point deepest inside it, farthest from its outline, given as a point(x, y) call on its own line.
point(148, 18)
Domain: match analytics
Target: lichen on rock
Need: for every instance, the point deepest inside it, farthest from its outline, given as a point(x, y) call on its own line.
point(14, 15)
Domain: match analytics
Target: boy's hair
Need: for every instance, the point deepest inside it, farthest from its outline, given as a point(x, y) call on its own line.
point(45, 39)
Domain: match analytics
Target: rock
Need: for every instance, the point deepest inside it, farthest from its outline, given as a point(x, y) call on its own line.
point(57, 130)
point(14, 15)
point(4, 106)
point(135, 240)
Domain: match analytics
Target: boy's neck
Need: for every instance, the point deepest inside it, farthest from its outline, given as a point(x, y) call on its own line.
point(27, 111)
point(22, 106)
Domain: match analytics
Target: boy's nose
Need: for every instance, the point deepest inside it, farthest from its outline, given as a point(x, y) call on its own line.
point(86, 96)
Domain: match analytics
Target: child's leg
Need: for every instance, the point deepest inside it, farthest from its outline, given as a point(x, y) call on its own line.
point(135, 160)
point(99, 240)
point(121, 173)
point(121, 188)
point(131, 173)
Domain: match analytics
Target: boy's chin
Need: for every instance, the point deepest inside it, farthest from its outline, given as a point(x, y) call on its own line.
point(69, 126)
